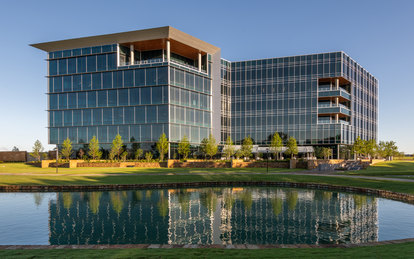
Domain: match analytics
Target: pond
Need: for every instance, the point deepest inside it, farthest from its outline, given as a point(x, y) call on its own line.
point(222, 215)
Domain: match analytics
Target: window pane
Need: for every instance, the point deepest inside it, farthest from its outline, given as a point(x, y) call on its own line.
point(123, 97)
point(140, 77)
point(107, 116)
point(118, 79)
point(102, 99)
point(135, 133)
point(58, 118)
point(134, 96)
point(140, 114)
point(86, 82)
point(156, 95)
point(81, 64)
point(81, 100)
point(128, 78)
point(103, 134)
point(62, 66)
point(163, 113)
point(97, 116)
point(91, 99)
point(77, 118)
point(53, 67)
point(71, 65)
point(67, 118)
point(82, 138)
point(53, 102)
point(72, 101)
point(91, 63)
point(87, 117)
point(96, 81)
point(118, 115)
point(151, 114)
point(101, 62)
point(151, 78)
point(112, 98)
point(107, 80)
point(67, 83)
point(162, 73)
point(146, 95)
point(57, 84)
point(63, 102)
point(129, 115)
point(76, 83)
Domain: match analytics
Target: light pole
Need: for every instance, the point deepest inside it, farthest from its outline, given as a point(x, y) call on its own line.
point(57, 156)
point(267, 161)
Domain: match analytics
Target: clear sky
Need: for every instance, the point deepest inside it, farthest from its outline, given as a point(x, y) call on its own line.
point(379, 35)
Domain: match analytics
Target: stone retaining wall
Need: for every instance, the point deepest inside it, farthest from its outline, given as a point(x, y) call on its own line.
point(260, 164)
point(13, 156)
point(198, 164)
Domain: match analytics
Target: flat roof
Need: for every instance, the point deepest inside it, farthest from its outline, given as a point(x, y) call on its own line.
point(166, 32)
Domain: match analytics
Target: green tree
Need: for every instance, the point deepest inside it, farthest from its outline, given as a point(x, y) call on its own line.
point(359, 146)
point(203, 147)
point(292, 147)
point(184, 147)
point(387, 149)
point(138, 154)
point(148, 156)
point(326, 152)
point(162, 146)
point(66, 151)
point(276, 145)
point(228, 149)
point(94, 151)
point(37, 150)
point(124, 156)
point(116, 147)
point(247, 147)
point(370, 148)
point(211, 147)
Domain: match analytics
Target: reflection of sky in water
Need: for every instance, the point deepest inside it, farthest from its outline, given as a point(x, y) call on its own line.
point(211, 215)
point(24, 218)
point(396, 220)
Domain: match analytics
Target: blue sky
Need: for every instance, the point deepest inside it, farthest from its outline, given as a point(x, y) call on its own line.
point(377, 34)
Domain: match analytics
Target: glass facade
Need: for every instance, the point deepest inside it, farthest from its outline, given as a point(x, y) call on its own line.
point(90, 95)
point(148, 87)
point(320, 99)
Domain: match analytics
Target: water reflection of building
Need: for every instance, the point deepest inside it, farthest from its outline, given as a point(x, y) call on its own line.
point(213, 216)
point(265, 216)
point(108, 217)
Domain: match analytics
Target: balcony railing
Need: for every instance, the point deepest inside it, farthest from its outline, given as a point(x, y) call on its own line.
point(334, 93)
point(160, 60)
point(334, 109)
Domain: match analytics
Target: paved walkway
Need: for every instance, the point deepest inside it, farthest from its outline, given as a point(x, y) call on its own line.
point(308, 173)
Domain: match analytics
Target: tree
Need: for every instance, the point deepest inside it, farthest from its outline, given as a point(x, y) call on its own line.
point(66, 151)
point(276, 145)
point(116, 147)
point(184, 147)
point(247, 147)
point(138, 153)
point(148, 156)
point(124, 156)
point(292, 147)
point(94, 149)
point(359, 146)
point(36, 150)
point(162, 146)
point(15, 149)
point(370, 148)
point(203, 146)
point(211, 147)
point(387, 149)
point(326, 152)
point(228, 149)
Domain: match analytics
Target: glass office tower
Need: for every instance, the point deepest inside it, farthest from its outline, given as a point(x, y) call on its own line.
point(143, 83)
point(138, 87)
point(321, 99)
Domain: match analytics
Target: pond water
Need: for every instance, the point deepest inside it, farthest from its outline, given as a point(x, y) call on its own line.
point(238, 215)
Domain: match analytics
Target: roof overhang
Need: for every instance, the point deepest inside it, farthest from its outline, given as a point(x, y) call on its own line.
point(166, 32)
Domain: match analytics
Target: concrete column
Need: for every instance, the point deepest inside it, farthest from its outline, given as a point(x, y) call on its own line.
point(132, 54)
point(199, 61)
point(168, 50)
point(118, 58)
point(337, 84)
point(337, 101)
point(337, 118)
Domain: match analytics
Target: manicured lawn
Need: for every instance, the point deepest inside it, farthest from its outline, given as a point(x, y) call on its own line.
point(135, 175)
point(17, 168)
point(388, 168)
point(385, 251)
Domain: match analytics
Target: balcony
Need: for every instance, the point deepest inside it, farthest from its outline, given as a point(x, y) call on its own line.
point(330, 110)
point(328, 93)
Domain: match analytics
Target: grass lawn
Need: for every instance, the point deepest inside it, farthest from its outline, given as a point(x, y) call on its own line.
point(22, 168)
point(383, 251)
point(388, 168)
point(136, 175)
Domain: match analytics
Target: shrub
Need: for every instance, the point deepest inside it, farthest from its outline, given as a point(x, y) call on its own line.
point(148, 156)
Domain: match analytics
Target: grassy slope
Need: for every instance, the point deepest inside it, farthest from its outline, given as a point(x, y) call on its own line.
point(385, 251)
